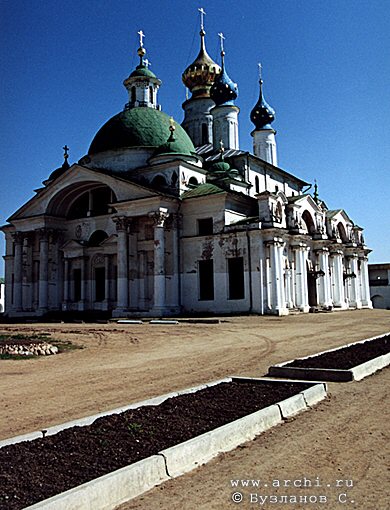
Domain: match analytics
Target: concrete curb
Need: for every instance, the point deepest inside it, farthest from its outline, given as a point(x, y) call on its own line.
point(328, 374)
point(110, 490)
point(199, 450)
point(361, 371)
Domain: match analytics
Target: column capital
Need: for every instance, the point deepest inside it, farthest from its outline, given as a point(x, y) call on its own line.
point(18, 237)
point(122, 223)
point(321, 249)
point(159, 217)
point(44, 233)
point(300, 247)
point(275, 241)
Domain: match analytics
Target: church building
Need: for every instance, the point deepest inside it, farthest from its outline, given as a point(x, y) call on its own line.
point(159, 218)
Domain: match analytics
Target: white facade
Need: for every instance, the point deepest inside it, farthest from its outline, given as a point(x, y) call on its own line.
point(379, 278)
point(155, 226)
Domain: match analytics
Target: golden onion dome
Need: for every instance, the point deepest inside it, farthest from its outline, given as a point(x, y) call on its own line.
point(201, 74)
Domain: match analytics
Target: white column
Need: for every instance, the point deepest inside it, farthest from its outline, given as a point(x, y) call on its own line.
point(355, 287)
point(66, 284)
point(123, 265)
point(324, 294)
point(301, 291)
point(43, 270)
point(9, 269)
point(83, 277)
point(289, 297)
point(278, 304)
point(159, 218)
point(175, 261)
point(142, 274)
point(107, 280)
point(365, 285)
point(28, 297)
point(18, 262)
point(337, 279)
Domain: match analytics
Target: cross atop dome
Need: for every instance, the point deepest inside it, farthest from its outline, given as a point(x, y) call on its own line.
point(141, 38)
point(201, 74)
point(142, 84)
point(202, 14)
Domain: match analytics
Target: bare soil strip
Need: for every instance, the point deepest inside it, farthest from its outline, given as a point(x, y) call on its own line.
point(38, 469)
point(347, 357)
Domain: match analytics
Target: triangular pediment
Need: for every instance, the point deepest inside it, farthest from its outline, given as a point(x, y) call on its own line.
point(76, 178)
point(72, 244)
point(339, 215)
point(305, 201)
point(113, 239)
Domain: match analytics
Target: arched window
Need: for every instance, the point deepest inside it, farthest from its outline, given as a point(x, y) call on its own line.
point(159, 182)
point(97, 238)
point(308, 222)
point(279, 212)
point(193, 181)
point(133, 95)
point(257, 187)
point(94, 202)
point(342, 233)
point(151, 100)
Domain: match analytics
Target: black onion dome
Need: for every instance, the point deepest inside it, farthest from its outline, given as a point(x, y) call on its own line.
point(223, 90)
point(262, 114)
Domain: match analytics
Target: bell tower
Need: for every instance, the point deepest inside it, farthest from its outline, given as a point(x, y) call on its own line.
point(262, 115)
point(198, 78)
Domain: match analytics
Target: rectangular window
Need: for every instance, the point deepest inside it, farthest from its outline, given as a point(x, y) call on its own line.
point(206, 280)
point(236, 278)
point(100, 284)
point(77, 284)
point(205, 226)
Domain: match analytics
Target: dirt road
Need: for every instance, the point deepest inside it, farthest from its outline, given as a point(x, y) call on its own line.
point(120, 364)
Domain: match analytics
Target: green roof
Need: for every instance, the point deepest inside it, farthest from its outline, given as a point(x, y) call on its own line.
point(2, 280)
point(142, 70)
point(140, 127)
point(202, 190)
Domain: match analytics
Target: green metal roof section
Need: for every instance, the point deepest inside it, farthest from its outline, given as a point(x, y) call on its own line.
point(142, 71)
point(202, 190)
point(2, 280)
point(295, 198)
point(140, 127)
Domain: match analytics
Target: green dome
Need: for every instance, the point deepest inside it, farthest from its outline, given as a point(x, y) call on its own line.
point(140, 127)
point(142, 70)
point(220, 167)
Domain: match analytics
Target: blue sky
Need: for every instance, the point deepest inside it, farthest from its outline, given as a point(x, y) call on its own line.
point(326, 69)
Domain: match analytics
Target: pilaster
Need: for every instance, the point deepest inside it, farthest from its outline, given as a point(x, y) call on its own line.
point(122, 224)
point(301, 290)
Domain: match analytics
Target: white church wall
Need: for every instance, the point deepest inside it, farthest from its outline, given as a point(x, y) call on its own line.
point(219, 249)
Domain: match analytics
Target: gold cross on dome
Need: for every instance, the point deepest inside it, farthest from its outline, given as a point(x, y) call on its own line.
point(66, 149)
point(141, 38)
point(202, 13)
